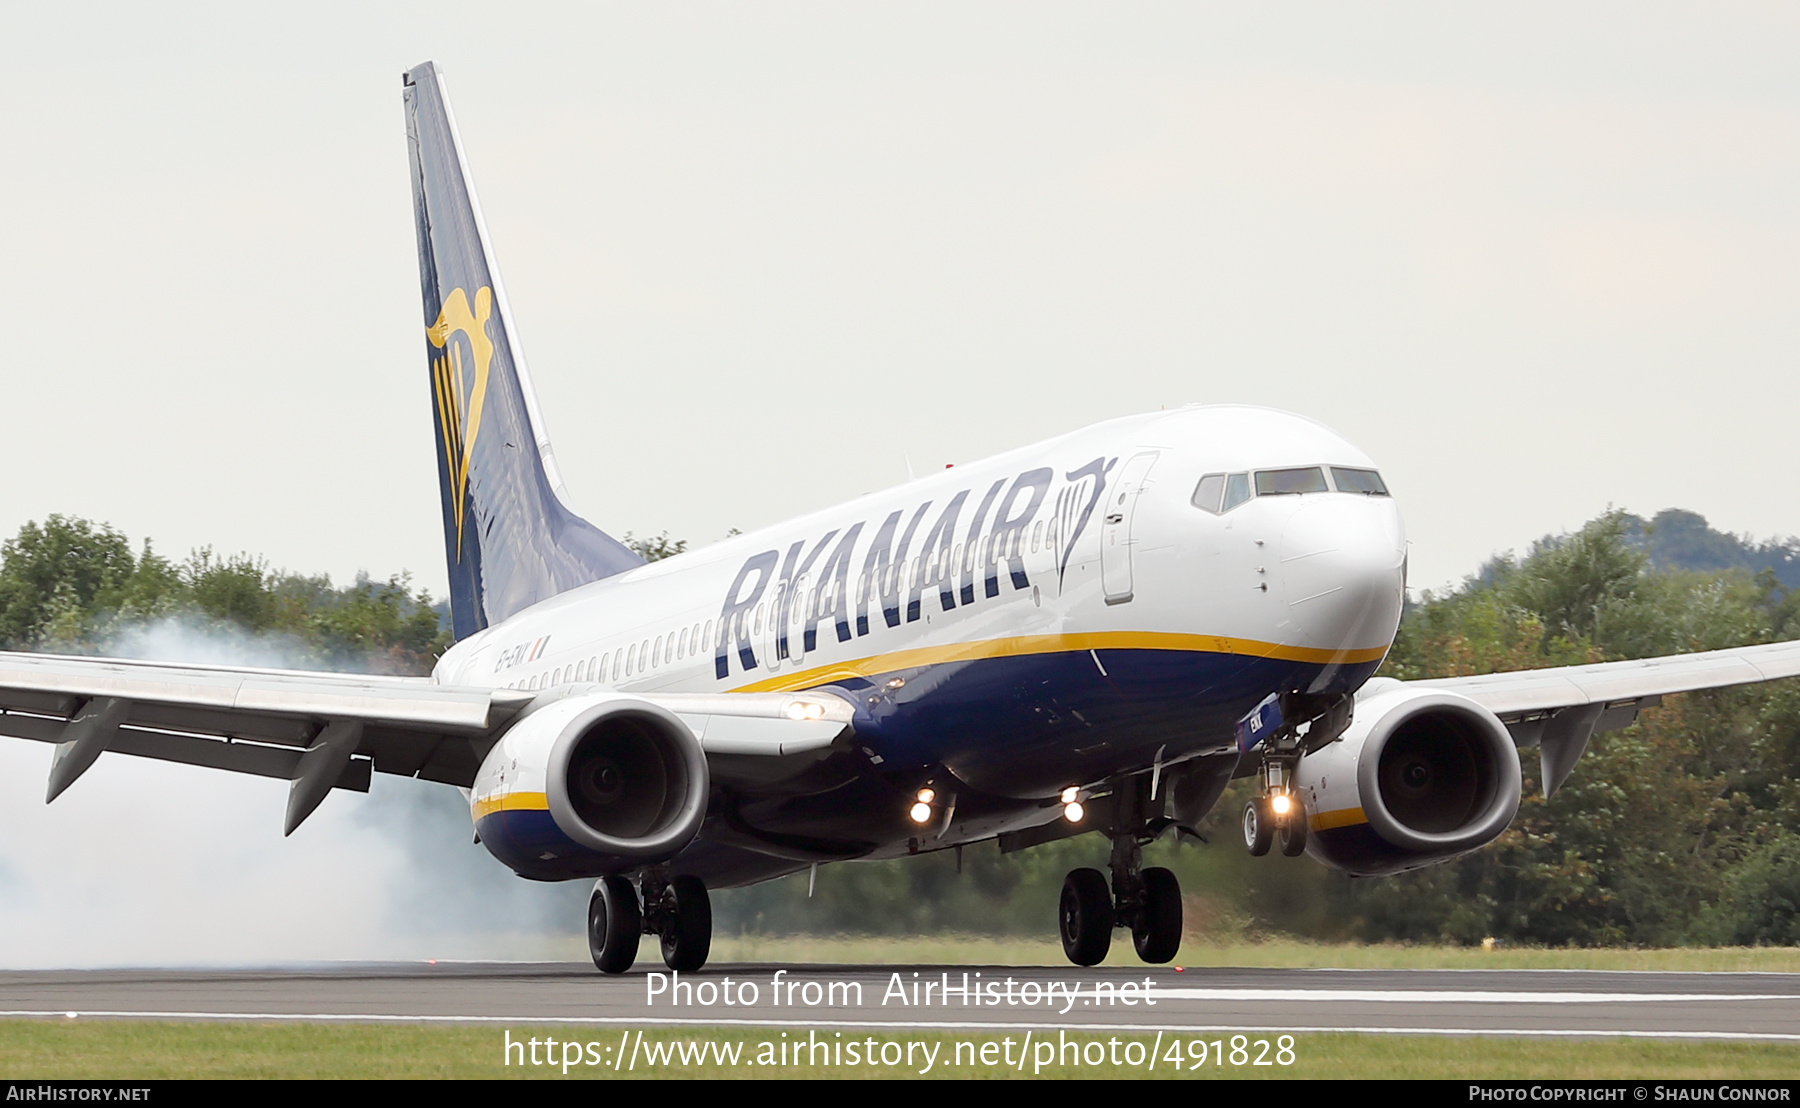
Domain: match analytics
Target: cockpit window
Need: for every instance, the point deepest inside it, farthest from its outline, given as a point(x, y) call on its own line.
point(1237, 490)
point(1208, 491)
point(1289, 482)
point(1218, 493)
point(1364, 481)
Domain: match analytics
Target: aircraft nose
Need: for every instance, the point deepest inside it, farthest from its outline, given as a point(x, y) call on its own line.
point(1343, 564)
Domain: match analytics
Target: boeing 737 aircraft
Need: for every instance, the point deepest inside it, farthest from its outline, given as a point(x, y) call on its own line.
point(1097, 632)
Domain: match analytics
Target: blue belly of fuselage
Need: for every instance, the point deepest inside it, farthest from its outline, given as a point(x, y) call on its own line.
point(1006, 733)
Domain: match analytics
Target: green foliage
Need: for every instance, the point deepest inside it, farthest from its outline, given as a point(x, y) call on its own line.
point(1675, 539)
point(73, 586)
point(52, 574)
point(655, 549)
point(1654, 837)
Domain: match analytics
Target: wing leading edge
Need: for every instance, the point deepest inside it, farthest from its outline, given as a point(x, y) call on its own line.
point(1559, 710)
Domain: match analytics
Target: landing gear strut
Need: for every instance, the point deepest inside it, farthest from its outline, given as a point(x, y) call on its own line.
point(1299, 725)
point(1146, 901)
point(676, 909)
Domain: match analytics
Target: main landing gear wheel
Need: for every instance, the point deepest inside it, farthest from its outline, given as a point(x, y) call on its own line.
point(687, 937)
point(614, 924)
point(1293, 833)
point(1086, 916)
point(1157, 933)
point(1259, 827)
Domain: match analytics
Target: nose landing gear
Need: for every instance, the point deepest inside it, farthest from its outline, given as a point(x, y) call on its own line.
point(1278, 814)
point(1298, 725)
point(676, 909)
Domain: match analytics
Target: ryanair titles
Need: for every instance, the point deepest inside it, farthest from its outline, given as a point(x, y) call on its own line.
point(953, 560)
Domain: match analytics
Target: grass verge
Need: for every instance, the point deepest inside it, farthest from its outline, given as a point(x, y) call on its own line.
point(127, 1050)
point(964, 950)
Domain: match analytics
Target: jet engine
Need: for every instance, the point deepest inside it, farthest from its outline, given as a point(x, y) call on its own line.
point(1419, 777)
point(591, 785)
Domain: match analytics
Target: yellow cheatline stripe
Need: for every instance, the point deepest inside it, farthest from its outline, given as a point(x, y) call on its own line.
point(1343, 817)
point(512, 802)
point(1056, 644)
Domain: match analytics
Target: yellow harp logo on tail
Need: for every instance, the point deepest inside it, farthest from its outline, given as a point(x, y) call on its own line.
point(461, 389)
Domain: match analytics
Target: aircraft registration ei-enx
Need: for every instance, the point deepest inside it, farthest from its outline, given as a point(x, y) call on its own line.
point(1097, 632)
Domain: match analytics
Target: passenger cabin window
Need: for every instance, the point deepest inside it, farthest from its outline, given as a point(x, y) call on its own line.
point(1290, 482)
point(1364, 481)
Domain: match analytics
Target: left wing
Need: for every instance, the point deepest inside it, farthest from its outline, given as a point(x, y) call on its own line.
point(322, 731)
point(1561, 709)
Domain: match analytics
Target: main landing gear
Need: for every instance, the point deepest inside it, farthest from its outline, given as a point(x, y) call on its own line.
point(1145, 901)
point(676, 909)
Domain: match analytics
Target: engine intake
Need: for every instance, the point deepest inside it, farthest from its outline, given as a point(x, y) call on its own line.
point(629, 781)
point(624, 782)
point(1420, 777)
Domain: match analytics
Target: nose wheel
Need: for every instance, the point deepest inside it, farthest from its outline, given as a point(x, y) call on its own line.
point(1259, 827)
point(675, 909)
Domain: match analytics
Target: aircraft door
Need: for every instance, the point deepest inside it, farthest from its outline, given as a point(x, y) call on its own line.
point(1115, 528)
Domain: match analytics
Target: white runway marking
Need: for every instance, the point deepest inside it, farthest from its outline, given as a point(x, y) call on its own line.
point(1436, 996)
point(923, 1025)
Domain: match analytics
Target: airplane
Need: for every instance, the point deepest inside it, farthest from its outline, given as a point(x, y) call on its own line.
point(1095, 633)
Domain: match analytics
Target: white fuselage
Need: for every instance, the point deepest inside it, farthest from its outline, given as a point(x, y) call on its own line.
point(1312, 576)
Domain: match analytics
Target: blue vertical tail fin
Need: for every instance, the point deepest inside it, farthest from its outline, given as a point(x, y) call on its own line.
point(509, 538)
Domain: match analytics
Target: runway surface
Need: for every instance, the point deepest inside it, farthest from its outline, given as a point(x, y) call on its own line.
point(1557, 1003)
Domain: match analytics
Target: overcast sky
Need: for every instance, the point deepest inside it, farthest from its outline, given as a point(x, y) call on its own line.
point(1535, 259)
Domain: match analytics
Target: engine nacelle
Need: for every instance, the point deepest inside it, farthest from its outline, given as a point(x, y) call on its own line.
point(591, 785)
point(1419, 777)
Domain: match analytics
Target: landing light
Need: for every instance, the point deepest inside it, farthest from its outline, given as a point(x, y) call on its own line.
point(1280, 804)
point(1071, 794)
point(920, 813)
point(801, 710)
point(1073, 811)
point(926, 796)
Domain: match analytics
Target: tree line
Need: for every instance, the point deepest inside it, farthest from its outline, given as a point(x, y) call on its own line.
point(1684, 828)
